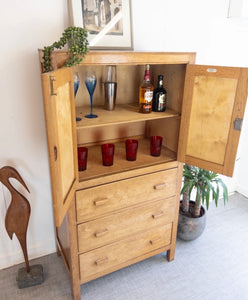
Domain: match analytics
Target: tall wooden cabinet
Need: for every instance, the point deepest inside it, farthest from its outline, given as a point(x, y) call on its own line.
point(110, 217)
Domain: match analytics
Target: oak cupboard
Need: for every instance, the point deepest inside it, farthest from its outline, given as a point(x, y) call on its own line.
point(110, 217)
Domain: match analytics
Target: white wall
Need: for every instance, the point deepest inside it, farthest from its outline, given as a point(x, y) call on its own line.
point(25, 26)
point(203, 27)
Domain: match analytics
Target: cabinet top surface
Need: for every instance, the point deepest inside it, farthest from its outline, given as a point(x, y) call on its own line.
point(138, 57)
point(126, 58)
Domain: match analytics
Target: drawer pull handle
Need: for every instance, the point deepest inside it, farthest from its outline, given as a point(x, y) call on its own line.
point(157, 215)
point(101, 233)
point(159, 186)
point(100, 202)
point(211, 70)
point(101, 260)
point(155, 240)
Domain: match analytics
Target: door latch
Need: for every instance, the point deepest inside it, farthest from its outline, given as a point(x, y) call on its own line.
point(52, 79)
point(238, 124)
point(55, 152)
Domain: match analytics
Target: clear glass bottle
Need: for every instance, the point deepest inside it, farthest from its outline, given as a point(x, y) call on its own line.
point(146, 93)
point(159, 96)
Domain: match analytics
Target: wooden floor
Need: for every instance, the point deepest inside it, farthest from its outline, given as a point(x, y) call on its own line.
point(213, 267)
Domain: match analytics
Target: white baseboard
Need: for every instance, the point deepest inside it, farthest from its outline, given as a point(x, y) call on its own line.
point(16, 256)
point(242, 190)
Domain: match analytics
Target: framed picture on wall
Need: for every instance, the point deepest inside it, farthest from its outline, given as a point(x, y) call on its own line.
point(108, 22)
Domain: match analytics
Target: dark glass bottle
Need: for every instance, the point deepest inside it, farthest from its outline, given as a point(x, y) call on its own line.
point(159, 96)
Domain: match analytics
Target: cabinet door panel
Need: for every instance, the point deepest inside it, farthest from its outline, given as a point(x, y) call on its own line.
point(58, 93)
point(213, 98)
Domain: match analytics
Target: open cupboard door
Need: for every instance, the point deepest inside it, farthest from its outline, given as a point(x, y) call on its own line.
point(58, 94)
point(212, 113)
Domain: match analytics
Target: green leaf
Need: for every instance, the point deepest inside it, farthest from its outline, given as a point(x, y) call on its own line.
point(76, 37)
point(207, 196)
point(217, 194)
point(205, 182)
point(198, 193)
point(225, 192)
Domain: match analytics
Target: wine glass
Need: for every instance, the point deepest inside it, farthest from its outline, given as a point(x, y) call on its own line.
point(76, 86)
point(90, 81)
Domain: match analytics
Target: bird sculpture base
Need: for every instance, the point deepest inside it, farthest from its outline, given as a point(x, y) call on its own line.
point(34, 277)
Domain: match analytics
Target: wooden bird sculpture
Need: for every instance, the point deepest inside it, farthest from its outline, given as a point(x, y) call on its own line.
point(18, 213)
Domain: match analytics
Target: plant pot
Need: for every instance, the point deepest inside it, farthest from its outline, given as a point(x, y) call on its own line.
point(190, 228)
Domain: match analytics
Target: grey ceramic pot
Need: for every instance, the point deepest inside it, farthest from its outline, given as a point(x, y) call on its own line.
point(191, 228)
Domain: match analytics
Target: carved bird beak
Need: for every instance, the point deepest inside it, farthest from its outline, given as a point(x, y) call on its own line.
point(9, 172)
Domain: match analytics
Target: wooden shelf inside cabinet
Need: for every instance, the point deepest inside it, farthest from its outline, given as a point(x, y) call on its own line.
point(144, 159)
point(127, 113)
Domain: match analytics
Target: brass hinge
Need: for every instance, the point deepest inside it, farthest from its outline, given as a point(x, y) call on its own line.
point(238, 124)
point(52, 79)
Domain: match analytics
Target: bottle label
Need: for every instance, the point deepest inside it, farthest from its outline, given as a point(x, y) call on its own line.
point(148, 96)
point(161, 99)
point(161, 102)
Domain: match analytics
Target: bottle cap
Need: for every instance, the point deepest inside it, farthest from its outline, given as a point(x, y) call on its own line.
point(147, 76)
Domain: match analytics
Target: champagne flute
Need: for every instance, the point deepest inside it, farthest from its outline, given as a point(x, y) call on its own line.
point(90, 82)
point(76, 86)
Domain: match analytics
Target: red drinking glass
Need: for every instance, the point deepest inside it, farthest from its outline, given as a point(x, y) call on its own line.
point(82, 158)
point(131, 149)
point(108, 154)
point(156, 144)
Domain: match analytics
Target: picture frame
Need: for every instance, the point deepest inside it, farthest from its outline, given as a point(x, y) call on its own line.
point(108, 22)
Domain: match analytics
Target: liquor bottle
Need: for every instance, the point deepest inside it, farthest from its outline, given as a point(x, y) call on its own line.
point(159, 96)
point(146, 93)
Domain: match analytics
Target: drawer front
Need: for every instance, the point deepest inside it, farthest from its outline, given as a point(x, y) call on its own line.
point(105, 258)
point(105, 230)
point(94, 202)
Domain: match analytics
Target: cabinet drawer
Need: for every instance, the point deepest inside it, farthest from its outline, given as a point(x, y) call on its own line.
point(105, 230)
point(94, 202)
point(106, 258)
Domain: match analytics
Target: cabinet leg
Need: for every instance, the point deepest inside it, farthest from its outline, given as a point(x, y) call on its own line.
point(57, 245)
point(74, 263)
point(76, 291)
point(58, 252)
point(171, 254)
point(171, 251)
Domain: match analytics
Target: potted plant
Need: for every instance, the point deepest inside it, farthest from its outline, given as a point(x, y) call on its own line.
point(76, 40)
point(192, 215)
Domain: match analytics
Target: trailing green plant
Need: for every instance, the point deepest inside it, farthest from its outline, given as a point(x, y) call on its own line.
point(78, 46)
point(205, 183)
